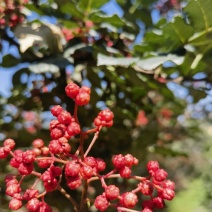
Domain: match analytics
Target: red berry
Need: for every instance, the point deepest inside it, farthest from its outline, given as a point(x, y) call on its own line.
point(106, 115)
point(101, 203)
point(90, 161)
point(147, 210)
point(33, 205)
point(13, 189)
point(18, 155)
point(82, 98)
point(66, 148)
point(14, 163)
point(44, 207)
point(3, 153)
point(55, 147)
point(104, 118)
point(167, 194)
point(118, 161)
point(73, 129)
point(9, 177)
point(147, 204)
point(152, 166)
point(12, 182)
point(85, 89)
point(111, 192)
point(56, 110)
point(63, 140)
point(47, 176)
point(101, 165)
point(168, 184)
point(25, 168)
point(15, 204)
point(64, 117)
point(125, 172)
point(158, 202)
point(44, 163)
point(53, 124)
point(86, 172)
point(45, 150)
point(29, 194)
point(28, 156)
point(74, 182)
point(129, 160)
point(129, 199)
point(38, 143)
point(9, 143)
point(160, 175)
point(50, 185)
point(56, 133)
point(72, 90)
point(146, 188)
point(56, 171)
point(72, 169)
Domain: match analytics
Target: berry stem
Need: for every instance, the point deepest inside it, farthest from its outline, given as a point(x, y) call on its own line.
point(35, 183)
point(76, 206)
point(122, 209)
point(93, 141)
point(75, 113)
point(52, 158)
point(84, 195)
point(107, 177)
point(12, 154)
point(22, 178)
point(91, 130)
point(37, 174)
point(41, 195)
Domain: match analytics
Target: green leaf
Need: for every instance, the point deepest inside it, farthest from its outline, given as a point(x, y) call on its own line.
point(51, 65)
point(154, 62)
point(177, 33)
point(197, 94)
point(166, 151)
point(106, 60)
point(146, 64)
point(192, 198)
point(114, 20)
point(91, 4)
point(71, 9)
point(199, 14)
point(9, 61)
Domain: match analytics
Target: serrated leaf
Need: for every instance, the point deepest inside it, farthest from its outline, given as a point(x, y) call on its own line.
point(199, 14)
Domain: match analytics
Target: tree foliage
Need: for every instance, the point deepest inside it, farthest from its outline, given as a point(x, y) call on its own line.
point(129, 60)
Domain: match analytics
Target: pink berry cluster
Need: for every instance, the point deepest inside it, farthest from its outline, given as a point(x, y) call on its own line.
point(156, 186)
point(11, 12)
point(54, 162)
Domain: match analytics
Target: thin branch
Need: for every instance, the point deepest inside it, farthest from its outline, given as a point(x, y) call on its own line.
point(76, 206)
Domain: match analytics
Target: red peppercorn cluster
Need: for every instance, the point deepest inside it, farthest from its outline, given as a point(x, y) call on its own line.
point(56, 162)
point(81, 96)
point(11, 12)
point(104, 118)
